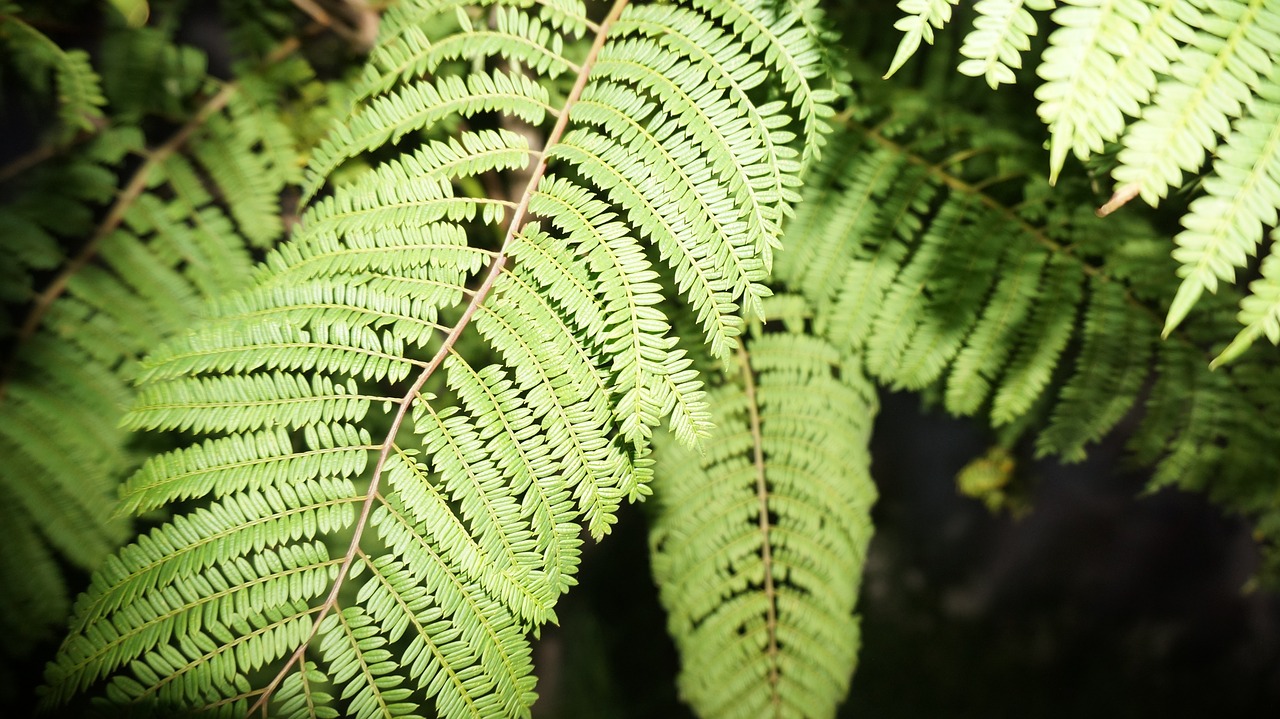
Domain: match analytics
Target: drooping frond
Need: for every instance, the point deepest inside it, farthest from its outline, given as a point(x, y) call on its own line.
point(1212, 83)
point(759, 540)
point(1173, 82)
point(1102, 63)
point(920, 19)
point(66, 76)
point(1225, 225)
point(1013, 299)
point(1260, 311)
point(430, 389)
point(1001, 32)
point(102, 276)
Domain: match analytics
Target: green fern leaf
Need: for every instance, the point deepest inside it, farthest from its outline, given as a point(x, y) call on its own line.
point(921, 18)
point(1259, 311)
point(1001, 33)
point(1041, 342)
point(758, 539)
point(1169, 80)
point(1224, 226)
point(1109, 373)
point(947, 287)
point(76, 88)
point(987, 348)
point(1212, 83)
point(139, 276)
point(1102, 63)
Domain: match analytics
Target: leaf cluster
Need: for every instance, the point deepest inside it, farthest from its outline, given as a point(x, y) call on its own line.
point(1177, 93)
point(115, 242)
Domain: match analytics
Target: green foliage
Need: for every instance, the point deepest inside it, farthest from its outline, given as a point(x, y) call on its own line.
point(1001, 33)
point(370, 437)
point(142, 260)
point(759, 539)
point(412, 526)
point(1168, 81)
point(64, 75)
point(1011, 300)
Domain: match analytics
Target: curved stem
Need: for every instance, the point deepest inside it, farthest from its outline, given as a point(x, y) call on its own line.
point(766, 548)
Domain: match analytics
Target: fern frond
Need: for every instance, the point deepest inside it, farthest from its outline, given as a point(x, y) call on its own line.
point(635, 332)
point(1102, 62)
point(409, 51)
point(1110, 370)
point(999, 299)
point(718, 55)
point(145, 72)
point(1213, 82)
point(1041, 341)
point(248, 403)
point(478, 406)
point(784, 37)
point(1225, 226)
point(75, 87)
point(920, 19)
point(993, 338)
point(1170, 80)
point(1259, 311)
point(758, 541)
point(388, 118)
point(138, 276)
point(1001, 33)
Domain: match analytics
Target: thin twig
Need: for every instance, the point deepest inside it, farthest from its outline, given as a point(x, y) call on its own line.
point(49, 150)
point(323, 18)
point(1120, 198)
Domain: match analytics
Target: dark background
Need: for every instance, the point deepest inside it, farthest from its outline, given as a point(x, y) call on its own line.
point(1100, 602)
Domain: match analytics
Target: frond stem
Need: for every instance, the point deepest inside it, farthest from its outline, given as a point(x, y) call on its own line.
point(360, 36)
point(762, 496)
point(406, 402)
point(961, 156)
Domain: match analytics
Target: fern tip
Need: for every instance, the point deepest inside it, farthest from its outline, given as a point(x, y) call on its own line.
point(1120, 198)
point(1183, 301)
point(1242, 342)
